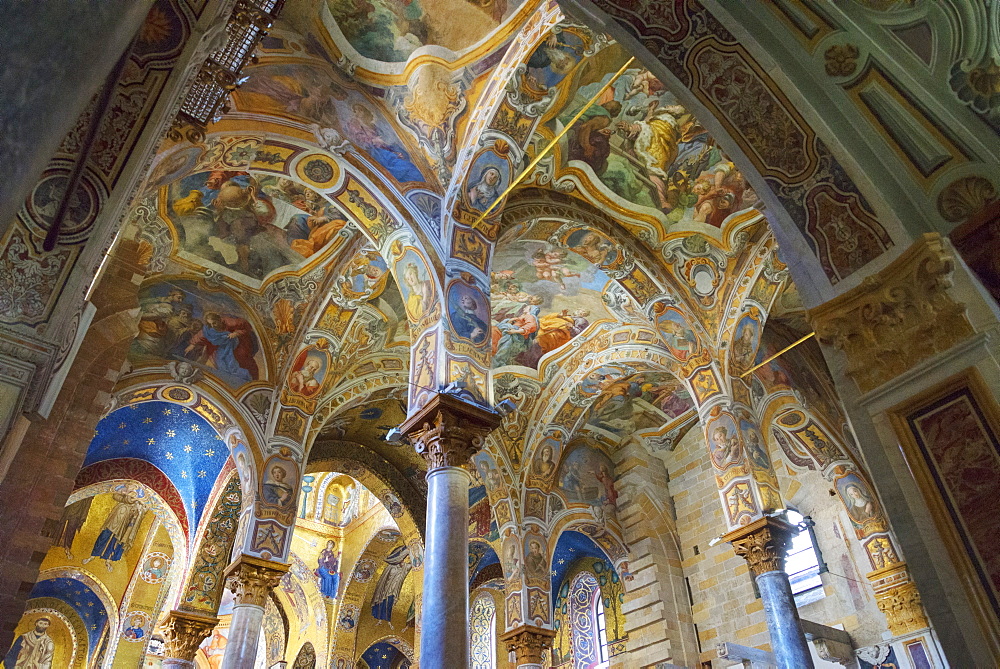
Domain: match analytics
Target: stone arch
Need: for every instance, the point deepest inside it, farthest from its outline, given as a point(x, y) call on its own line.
point(376, 474)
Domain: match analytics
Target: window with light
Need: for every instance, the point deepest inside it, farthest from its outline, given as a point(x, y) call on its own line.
point(588, 627)
point(803, 563)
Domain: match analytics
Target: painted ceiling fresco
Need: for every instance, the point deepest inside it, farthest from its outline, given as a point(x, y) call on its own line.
point(248, 225)
point(637, 142)
point(391, 30)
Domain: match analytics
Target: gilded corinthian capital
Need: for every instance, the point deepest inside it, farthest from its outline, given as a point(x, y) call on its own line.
point(763, 544)
point(184, 632)
point(447, 432)
point(252, 579)
point(528, 642)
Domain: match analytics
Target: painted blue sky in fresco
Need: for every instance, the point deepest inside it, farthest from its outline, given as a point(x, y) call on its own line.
point(81, 599)
point(172, 438)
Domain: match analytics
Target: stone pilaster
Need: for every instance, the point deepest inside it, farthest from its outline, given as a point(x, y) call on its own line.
point(763, 544)
point(184, 632)
point(898, 599)
point(528, 642)
point(252, 579)
point(896, 318)
point(447, 431)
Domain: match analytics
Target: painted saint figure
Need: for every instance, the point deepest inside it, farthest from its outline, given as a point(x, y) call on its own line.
point(276, 491)
point(860, 506)
point(229, 343)
point(467, 323)
point(535, 564)
point(119, 530)
point(486, 190)
point(390, 583)
point(303, 380)
point(32, 650)
point(328, 571)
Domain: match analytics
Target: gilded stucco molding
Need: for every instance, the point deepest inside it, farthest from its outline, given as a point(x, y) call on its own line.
point(898, 599)
point(447, 431)
point(184, 632)
point(896, 318)
point(763, 544)
point(252, 579)
point(528, 642)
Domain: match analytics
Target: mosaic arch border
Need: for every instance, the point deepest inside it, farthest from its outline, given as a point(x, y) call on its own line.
point(806, 189)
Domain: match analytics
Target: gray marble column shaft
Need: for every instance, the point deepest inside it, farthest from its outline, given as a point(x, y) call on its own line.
point(788, 641)
point(244, 633)
point(444, 636)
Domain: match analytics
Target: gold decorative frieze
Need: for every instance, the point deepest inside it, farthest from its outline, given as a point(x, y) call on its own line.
point(896, 318)
point(898, 599)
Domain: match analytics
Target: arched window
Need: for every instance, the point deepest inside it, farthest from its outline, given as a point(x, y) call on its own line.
point(588, 628)
point(803, 564)
point(483, 625)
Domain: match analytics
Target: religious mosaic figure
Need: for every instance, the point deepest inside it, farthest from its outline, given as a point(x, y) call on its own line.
point(73, 518)
point(390, 583)
point(32, 650)
point(328, 571)
point(119, 530)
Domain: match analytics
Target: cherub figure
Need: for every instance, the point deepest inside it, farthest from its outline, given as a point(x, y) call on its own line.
point(549, 266)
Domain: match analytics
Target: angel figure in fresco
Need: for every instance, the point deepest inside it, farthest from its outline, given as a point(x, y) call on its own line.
point(242, 211)
point(681, 341)
point(485, 191)
point(328, 571)
point(32, 650)
point(725, 448)
point(119, 530)
point(549, 266)
point(397, 567)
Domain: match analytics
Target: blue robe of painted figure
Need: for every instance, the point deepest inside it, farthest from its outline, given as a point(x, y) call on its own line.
point(225, 352)
point(328, 573)
point(397, 566)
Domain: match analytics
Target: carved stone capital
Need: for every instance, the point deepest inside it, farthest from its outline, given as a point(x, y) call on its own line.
point(184, 632)
point(896, 318)
point(528, 642)
point(447, 432)
point(252, 579)
point(898, 599)
point(763, 544)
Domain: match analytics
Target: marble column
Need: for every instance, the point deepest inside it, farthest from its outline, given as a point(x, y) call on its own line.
point(184, 633)
point(528, 643)
point(763, 544)
point(251, 580)
point(447, 432)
